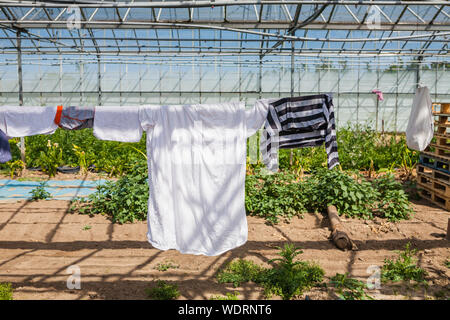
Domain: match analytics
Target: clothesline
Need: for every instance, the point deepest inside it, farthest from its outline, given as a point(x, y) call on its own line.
point(196, 157)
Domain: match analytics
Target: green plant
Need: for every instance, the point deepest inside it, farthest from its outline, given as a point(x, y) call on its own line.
point(166, 266)
point(124, 200)
point(404, 268)
point(447, 263)
point(51, 158)
point(15, 168)
point(87, 227)
point(289, 278)
point(353, 197)
point(239, 271)
point(6, 291)
point(82, 162)
point(228, 296)
point(349, 288)
point(275, 196)
point(39, 193)
point(163, 291)
point(393, 203)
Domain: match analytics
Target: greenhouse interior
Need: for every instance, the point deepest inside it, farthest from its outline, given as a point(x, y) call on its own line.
point(99, 201)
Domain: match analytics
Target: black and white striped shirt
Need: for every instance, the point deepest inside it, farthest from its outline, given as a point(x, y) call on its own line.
point(299, 122)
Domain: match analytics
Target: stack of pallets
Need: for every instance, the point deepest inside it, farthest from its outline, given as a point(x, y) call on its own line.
point(433, 170)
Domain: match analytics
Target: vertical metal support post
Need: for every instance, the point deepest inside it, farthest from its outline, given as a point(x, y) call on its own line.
point(99, 81)
point(291, 154)
point(378, 102)
point(396, 101)
point(19, 74)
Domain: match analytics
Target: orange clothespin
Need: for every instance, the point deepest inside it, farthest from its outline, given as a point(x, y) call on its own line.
point(58, 115)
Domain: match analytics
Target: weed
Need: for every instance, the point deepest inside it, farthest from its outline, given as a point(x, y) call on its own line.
point(51, 158)
point(87, 227)
point(349, 288)
point(393, 203)
point(124, 200)
point(6, 291)
point(447, 263)
point(284, 195)
point(15, 168)
point(239, 271)
point(274, 196)
point(404, 268)
point(166, 266)
point(289, 278)
point(163, 291)
point(82, 162)
point(39, 193)
point(228, 296)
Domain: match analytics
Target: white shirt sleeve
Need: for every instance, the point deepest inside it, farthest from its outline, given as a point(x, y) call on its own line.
point(117, 123)
point(256, 116)
point(147, 116)
point(17, 121)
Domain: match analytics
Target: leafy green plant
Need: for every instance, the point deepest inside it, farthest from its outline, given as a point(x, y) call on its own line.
point(289, 278)
point(6, 291)
point(15, 168)
point(87, 227)
point(393, 203)
point(274, 196)
point(284, 195)
point(82, 162)
point(349, 288)
point(124, 200)
point(166, 266)
point(239, 271)
point(404, 268)
point(353, 197)
point(39, 193)
point(447, 263)
point(228, 296)
point(163, 291)
point(51, 158)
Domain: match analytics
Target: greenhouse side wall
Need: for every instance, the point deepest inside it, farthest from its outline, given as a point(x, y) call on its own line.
point(54, 81)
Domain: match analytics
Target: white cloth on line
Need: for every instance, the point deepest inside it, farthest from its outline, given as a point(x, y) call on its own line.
point(17, 121)
point(196, 166)
point(117, 123)
point(420, 129)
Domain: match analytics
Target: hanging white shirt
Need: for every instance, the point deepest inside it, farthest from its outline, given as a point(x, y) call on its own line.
point(16, 121)
point(196, 167)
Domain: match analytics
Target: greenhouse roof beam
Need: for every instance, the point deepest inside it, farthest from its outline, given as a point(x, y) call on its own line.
point(217, 3)
point(97, 24)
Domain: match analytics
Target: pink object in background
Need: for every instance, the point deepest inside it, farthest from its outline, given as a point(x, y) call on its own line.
point(378, 93)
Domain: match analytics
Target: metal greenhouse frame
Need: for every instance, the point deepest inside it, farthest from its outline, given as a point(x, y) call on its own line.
point(133, 52)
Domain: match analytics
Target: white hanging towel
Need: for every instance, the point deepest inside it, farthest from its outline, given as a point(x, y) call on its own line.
point(16, 121)
point(117, 123)
point(420, 129)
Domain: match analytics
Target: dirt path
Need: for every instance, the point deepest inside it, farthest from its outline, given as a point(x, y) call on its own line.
point(40, 240)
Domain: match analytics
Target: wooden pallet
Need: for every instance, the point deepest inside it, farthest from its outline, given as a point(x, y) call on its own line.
point(434, 197)
point(434, 174)
point(442, 141)
point(435, 185)
point(440, 107)
point(435, 161)
point(443, 152)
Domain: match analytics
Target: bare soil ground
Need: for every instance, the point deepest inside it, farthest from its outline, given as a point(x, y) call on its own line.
point(40, 240)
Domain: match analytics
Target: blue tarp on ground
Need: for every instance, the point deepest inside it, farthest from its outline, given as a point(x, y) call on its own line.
point(59, 189)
